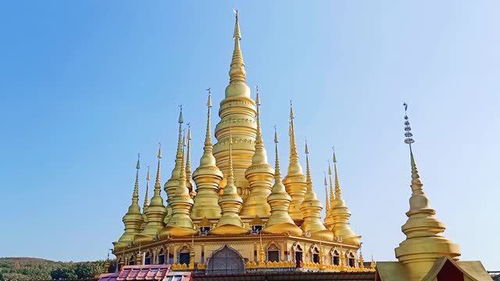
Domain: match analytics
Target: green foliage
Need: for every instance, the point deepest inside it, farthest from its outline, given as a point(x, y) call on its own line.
point(21, 269)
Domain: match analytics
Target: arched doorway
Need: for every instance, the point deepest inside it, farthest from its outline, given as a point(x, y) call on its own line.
point(298, 255)
point(225, 261)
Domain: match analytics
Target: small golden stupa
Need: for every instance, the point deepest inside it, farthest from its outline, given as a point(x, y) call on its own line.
point(235, 213)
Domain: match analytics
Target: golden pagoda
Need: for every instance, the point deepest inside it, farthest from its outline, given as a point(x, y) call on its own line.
point(235, 204)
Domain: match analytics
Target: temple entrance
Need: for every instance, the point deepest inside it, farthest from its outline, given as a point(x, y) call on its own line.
point(225, 261)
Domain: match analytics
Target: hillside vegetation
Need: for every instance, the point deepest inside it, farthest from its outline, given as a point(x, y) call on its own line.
point(20, 269)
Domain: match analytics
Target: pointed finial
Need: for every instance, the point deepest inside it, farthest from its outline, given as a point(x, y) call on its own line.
point(308, 167)
point(416, 183)
point(334, 156)
point(209, 100)
point(135, 195)
point(258, 138)
point(157, 189)
point(337, 181)
point(146, 194)
point(277, 172)
point(237, 72)
point(148, 176)
point(327, 199)
point(293, 165)
point(138, 165)
point(237, 32)
point(181, 118)
point(159, 151)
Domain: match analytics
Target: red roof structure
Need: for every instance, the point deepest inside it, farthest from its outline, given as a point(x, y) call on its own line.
point(146, 272)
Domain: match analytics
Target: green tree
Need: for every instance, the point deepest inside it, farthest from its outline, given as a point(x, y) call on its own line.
point(62, 273)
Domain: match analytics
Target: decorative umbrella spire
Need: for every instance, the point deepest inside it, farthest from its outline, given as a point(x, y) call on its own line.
point(230, 203)
point(207, 177)
point(295, 181)
point(422, 226)
point(237, 71)
point(311, 208)
point(280, 221)
point(180, 223)
point(133, 218)
point(156, 210)
point(340, 212)
point(259, 176)
point(174, 181)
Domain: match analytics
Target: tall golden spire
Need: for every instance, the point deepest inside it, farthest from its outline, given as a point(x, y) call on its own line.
point(146, 201)
point(230, 202)
point(188, 161)
point(424, 242)
point(280, 221)
point(311, 208)
point(328, 210)
point(294, 181)
point(146, 193)
point(180, 223)
point(259, 176)
point(330, 177)
point(237, 71)
point(133, 218)
point(155, 212)
point(341, 214)
point(237, 110)
point(207, 177)
point(174, 181)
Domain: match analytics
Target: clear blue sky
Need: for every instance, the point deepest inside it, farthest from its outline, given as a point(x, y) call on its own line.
point(85, 85)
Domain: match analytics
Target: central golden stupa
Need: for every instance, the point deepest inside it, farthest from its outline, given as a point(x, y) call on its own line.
point(235, 212)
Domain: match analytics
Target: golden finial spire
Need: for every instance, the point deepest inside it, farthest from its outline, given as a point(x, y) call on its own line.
point(337, 181)
point(157, 188)
point(133, 219)
point(330, 177)
point(294, 165)
point(207, 177)
point(295, 182)
point(146, 194)
point(424, 241)
point(308, 168)
point(277, 172)
point(188, 160)
point(135, 195)
point(280, 221)
point(327, 200)
point(237, 71)
point(173, 182)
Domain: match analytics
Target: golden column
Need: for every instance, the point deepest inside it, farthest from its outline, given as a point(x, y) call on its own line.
point(280, 221)
point(189, 183)
point(133, 219)
point(155, 212)
point(424, 241)
point(311, 208)
point(260, 177)
point(237, 111)
point(207, 178)
point(340, 213)
point(295, 182)
point(230, 203)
